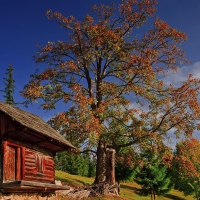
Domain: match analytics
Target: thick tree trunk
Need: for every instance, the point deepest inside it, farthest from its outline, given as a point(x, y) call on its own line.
point(101, 163)
point(118, 181)
point(151, 195)
point(154, 195)
point(110, 166)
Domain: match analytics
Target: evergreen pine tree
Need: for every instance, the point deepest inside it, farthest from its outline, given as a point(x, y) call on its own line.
point(153, 178)
point(92, 168)
point(75, 164)
point(9, 86)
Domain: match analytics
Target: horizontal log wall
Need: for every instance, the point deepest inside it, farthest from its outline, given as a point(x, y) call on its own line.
point(38, 167)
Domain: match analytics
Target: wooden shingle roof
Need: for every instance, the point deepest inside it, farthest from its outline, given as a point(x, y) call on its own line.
point(34, 123)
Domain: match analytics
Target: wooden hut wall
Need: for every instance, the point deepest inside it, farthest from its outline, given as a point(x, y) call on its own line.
point(38, 167)
point(23, 163)
point(1, 165)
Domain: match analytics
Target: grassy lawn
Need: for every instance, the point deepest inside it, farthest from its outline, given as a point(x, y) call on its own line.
point(128, 190)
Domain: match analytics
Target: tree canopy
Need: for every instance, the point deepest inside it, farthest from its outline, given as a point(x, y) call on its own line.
point(111, 81)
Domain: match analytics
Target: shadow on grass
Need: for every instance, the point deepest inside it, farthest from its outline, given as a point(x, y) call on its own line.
point(129, 187)
point(137, 191)
point(171, 196)
point(134, 189)
point(72, 181)
point(82, 182)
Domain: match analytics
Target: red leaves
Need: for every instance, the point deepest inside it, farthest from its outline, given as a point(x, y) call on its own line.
point(160, 46)
point(63, 21)
point(47, 73)
point(103, 12)
point(188, 157)
point(100, 36)
point(164, 31)
point(136, 7)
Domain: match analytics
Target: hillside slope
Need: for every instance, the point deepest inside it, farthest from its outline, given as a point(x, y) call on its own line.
point(128, 190)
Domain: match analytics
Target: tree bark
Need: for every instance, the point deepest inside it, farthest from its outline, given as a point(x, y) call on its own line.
point(118, 186)
point(110, 166)
point(101, 163)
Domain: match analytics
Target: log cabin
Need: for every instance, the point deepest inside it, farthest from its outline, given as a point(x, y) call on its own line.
point(28, 148)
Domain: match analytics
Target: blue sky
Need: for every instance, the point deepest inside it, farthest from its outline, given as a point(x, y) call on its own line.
point(23, 24)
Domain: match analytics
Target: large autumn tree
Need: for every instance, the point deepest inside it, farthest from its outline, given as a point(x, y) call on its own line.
point(110, 80)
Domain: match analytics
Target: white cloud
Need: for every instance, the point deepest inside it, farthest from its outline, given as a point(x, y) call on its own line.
point(182, 74)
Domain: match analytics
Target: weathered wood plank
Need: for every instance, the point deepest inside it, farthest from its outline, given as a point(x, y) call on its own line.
point(31, 165)
point(11, 163)
point(31, 169)
point(13, 144)
point(46, 180)
point(50, 174)
point(44, 185)
point(41, 179)
point(39, 167)
point(4, 160)
point(18, 164)
point(48, 162)
point(49, 168)
point(30, 161)
point(31, 186)
point(23, 163)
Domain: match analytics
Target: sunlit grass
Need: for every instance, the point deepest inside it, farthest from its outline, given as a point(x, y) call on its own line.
point(128, 190)
point(73, 180)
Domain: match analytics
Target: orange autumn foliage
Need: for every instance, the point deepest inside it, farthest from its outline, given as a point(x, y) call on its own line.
point(188, 157)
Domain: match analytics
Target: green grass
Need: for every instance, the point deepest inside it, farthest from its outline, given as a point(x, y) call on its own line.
point(73, 180)
point(128, 190)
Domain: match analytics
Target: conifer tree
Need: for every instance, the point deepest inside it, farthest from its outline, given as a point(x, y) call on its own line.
point(75, 164)
point(153, 178)
point(9, 86)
